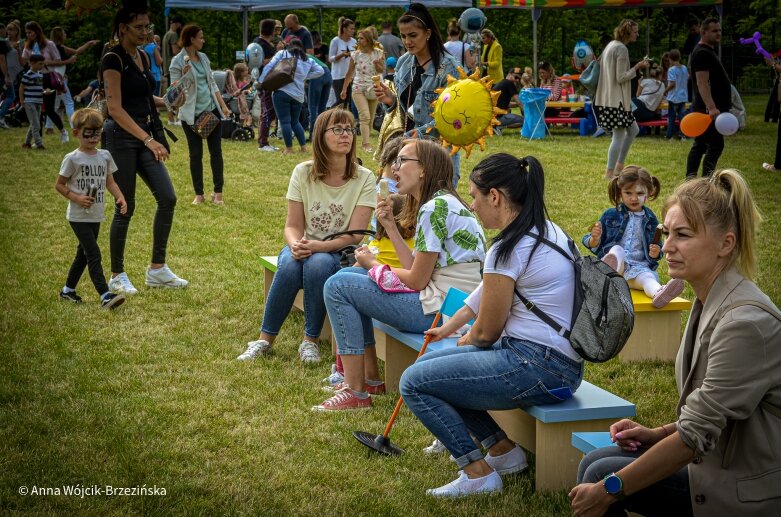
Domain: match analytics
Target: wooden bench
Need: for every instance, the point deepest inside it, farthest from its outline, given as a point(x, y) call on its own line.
point(589, 441)
point(269, 265)
point(581, 124)
point(652, 123)
point(657, 332)
point(544, 430)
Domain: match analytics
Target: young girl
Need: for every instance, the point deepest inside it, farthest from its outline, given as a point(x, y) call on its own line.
point(625, 237)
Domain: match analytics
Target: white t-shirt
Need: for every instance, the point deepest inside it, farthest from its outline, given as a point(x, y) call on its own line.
point(651, 94)
point(338, 45)
point(456, 48)
point(548, 281)
point(447, 227)
point(328, 209)
point(83, 172)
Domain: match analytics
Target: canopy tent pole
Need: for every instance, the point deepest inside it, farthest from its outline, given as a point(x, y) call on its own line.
point(720, 10)
point(536, 13)
point(245, 25)
point(320, 20)
point(648, 32)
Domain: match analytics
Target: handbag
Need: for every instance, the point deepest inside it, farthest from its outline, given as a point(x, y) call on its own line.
point(98, 102)
point(284, 72)
point(176, 95)
point(347, 253)
point(590, 77)
point(205, 124)
point(54, 81)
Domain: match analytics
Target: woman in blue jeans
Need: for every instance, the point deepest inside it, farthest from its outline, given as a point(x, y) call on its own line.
point(289, 99)
point(318, 92)
point(451, 390)
point(449, 250)
point(329, 194)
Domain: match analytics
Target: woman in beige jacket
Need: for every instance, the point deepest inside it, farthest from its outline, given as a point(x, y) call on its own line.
point(613, 101)
point(723, 454)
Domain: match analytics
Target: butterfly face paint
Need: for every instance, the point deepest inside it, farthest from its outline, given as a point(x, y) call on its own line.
point(634, 196)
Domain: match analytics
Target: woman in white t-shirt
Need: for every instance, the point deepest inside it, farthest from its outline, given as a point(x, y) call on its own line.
point(650, 92)
point(326, 195)
point(449, 251)
point(510, 358)
point(339, 54)
point(460, 50)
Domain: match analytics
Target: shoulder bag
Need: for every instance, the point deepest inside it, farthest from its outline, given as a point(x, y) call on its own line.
point(283, 73)
point(590, 76)
point(347, 253)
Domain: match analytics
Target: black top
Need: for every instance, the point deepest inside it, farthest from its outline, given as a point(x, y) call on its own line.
point(268, 49)
point(302, 33)
point(705, 59)
point(5, 48)
point(136, 85)
point(407, 97)
point(321, 53)
point(508, 89)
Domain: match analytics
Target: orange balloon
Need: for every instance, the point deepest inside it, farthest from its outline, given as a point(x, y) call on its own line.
point(694, 124)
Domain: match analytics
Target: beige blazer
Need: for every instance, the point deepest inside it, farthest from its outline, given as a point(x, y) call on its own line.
point(615, 78)
point(728, 372)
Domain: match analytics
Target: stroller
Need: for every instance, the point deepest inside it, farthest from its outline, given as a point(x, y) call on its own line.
point(239, 126)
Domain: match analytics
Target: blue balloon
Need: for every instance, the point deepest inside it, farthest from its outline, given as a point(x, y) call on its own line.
point(472, 20)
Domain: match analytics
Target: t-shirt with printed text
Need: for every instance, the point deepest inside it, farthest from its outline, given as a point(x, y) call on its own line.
point(328, 209)
point(85, 171)
point(447, 227)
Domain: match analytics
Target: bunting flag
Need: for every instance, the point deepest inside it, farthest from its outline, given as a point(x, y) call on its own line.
point(563, 4)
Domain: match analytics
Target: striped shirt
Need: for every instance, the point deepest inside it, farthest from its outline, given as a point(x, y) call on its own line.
point(33, 87)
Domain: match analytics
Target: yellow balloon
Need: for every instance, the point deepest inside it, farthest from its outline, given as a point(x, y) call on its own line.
point(464, 112)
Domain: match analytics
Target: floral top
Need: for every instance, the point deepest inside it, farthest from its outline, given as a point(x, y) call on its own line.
point(364, 69)
point(447, 227)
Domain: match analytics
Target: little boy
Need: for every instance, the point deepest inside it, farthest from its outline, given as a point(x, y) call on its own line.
point(677, 94)
point(31, 97)
point(85, 175)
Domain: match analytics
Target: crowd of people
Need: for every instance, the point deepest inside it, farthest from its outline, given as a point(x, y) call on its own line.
point(429, 240)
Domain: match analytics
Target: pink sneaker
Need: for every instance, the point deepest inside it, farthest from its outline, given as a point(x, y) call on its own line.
point(378, 389)
point(668, 292)
point(611, 260)
point(344, 399)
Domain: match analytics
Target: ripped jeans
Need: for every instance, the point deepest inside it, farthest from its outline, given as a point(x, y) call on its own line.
point(451, 390)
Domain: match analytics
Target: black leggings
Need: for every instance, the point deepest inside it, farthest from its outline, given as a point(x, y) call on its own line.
point(48, 105)
point(195, 146)
point(132, 157)
point(87, 255)
point(337, 86)
point(710, 144)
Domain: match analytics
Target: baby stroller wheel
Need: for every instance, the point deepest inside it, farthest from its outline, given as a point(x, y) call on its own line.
point(240, 135)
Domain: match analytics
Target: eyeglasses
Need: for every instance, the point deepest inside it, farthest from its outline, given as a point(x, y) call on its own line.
point(91, 133)
point(339, 131)
point(399, 161)
point(143, 28)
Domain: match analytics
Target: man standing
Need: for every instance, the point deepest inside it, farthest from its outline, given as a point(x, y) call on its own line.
point(266, 114)
point(391, 43)
point(170, 49)
point(712, 95)
point(294, 28)
point(508, 98)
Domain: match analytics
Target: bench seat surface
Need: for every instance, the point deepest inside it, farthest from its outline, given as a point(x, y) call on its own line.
point(586, 442)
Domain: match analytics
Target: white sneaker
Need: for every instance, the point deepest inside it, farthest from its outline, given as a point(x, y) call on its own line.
point(463, 486)
point(335, 377)
point(509, 462)
point(254, 349)
point(268, 148)
point(164, 277)
point(121, 284)
point(3, 125)
point(436, 447)
point(64, 138)
point(309, 352)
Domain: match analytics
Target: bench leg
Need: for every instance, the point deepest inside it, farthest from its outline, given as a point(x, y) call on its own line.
point(656, 335)
point(397, 357)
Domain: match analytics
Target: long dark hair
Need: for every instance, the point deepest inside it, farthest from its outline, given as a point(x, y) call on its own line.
point(418, 15)
point(40, 38)
point(296, 48)
point(130, 10)
point(522, 182)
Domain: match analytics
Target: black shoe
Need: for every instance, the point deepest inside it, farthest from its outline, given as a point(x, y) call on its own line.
point(70, 297)
point(112, 301)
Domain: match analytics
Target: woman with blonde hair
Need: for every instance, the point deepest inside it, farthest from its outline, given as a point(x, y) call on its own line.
point(367, 61)
point(491, 56)
point(613, 100)
point(720, 457)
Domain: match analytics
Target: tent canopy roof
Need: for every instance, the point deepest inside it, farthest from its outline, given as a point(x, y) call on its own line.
point(579, 4)
point(275, 5)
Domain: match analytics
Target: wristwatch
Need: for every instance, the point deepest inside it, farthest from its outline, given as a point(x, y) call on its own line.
point(614, 486)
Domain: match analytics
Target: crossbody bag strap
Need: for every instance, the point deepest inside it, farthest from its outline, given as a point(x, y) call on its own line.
point(348, 232)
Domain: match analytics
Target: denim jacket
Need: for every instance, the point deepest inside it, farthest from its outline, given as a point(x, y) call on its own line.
point(432, 79)
point(614, 222)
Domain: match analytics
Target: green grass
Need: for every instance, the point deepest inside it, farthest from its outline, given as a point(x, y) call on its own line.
point(151, 393)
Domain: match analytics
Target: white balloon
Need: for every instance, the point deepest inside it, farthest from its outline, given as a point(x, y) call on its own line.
point(727, 124)
point(254, 55)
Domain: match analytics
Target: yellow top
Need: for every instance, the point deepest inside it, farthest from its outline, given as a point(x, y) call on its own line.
point(387, 253)
point(642, 303)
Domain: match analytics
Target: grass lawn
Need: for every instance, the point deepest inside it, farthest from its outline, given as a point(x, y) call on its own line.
point(151, 394)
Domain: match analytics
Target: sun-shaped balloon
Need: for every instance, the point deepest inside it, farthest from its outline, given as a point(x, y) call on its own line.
point(465, 111)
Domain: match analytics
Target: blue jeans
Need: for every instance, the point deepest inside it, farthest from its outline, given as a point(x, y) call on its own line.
point(509, 119)
point(288, 113)
point(318, 97)
point(10, 97)
point(670, 496)
point(309, 274)
point(675, 110)
point(451, 390)
point(353, 299)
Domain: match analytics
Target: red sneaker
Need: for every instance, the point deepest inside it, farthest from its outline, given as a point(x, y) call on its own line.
point(342, 400)
point(378, 389)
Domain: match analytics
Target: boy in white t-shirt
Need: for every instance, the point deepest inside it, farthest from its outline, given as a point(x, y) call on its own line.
point(85, 175)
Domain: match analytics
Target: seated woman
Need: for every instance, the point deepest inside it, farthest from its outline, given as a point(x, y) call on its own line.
point(451, 390)
point(449, 250)
point(650, 93)
point(721, 456)
point(328, 194)
point(549, 81)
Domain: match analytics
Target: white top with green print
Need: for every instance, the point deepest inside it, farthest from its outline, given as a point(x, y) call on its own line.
point(447, 227)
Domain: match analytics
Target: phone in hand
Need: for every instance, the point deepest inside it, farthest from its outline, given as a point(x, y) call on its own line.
point(93, 193)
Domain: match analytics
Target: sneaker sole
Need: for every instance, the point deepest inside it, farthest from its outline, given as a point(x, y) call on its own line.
point(512, 470)
point(166, 286)
point(114, 303)
point(331, 389)
point(320, 409)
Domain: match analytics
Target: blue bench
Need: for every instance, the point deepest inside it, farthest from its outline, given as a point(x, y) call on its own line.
point(544, 430)
point(587, 442)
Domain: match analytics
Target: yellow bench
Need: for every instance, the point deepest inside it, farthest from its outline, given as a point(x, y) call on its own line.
point(657, 332)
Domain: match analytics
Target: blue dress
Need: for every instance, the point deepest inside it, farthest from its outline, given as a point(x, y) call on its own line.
point(634, 261)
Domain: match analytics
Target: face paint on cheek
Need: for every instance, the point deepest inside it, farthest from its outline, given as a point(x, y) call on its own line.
point(641, 198)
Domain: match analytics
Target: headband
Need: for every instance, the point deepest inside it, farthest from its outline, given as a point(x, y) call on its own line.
point(409, 13)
